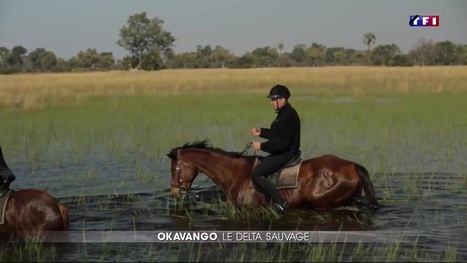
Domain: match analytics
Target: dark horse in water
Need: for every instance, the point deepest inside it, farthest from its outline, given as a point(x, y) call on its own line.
point(323, 182)
point(29, 213)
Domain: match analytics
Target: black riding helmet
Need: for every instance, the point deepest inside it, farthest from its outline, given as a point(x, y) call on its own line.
point(279, 91)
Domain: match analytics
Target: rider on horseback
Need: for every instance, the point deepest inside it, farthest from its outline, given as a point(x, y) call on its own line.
point(283, 144)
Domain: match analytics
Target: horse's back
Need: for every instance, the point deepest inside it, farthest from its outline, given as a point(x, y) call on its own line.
point(27, 196)
point(329, 161)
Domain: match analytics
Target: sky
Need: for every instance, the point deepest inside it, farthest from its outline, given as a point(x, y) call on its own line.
point(69, 26)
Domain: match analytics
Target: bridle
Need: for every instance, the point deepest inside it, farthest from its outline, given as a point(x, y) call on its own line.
point(178, 171)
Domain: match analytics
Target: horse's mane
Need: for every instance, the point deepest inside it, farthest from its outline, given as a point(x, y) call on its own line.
point(204, 144)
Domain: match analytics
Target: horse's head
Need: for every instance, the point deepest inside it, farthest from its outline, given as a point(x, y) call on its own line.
point(220, 166)
point(183, 173)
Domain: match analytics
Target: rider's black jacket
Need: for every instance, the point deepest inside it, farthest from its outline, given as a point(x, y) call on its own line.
point(284, 133)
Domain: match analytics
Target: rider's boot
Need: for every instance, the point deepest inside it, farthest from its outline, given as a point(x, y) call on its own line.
point(281, 205)
point(6, 177)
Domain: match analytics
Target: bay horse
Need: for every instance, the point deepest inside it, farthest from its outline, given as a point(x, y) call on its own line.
point(28, 214)
point(325, 182)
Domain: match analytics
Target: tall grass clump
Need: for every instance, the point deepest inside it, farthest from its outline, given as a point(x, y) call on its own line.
point(30, 251)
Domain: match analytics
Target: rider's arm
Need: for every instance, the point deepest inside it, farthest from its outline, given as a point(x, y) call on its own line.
point(265, 133)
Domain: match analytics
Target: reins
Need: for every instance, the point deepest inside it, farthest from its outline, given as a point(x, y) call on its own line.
point(248, 146)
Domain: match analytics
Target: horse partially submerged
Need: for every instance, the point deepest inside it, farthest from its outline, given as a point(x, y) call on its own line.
point(29, 213)
point(323, 182)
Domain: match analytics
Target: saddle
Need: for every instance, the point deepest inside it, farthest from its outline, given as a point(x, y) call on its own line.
point(286, 176)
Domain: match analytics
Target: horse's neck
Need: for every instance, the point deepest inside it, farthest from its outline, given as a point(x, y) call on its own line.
point(224, 170)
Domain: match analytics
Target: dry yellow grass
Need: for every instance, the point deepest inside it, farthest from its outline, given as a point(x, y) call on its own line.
point(26, 91)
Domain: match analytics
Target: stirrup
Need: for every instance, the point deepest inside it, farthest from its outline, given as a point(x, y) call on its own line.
point(281, 207)
point(5, 183)
point(9, 179)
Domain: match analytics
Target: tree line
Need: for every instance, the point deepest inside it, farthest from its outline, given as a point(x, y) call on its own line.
point(150, 47)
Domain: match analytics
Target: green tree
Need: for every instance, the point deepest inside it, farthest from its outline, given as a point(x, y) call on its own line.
point(203, 56)
point(298, 54)
point(284, 60)
point(144, 36)
point(42, 59)
point(62, 65)
point(88, 58)
point(339, 56)
point(384, 54)
point(265, 56)
point(4, 55)
point(17, 56)
point(461, 54)
point(248, 60)
point(106, 60)
point(446, 53)
point(73, 64)
point(401, 60)
point(129, 62)
point(222, 57)
point(153, 61)
point(91, 59)
point(316, 54)
point(48, 61)
point(183, 60)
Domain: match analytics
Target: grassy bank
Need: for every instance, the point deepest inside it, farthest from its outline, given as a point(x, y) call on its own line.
point(29, 91)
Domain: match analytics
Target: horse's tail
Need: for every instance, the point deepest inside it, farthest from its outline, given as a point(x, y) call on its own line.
point(64, 213)
point(367, 185)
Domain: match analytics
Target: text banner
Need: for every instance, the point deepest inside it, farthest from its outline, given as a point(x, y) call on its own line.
point(229, 236)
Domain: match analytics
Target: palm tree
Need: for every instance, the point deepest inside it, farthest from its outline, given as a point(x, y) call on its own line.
point(369, 39)
point(280, 46)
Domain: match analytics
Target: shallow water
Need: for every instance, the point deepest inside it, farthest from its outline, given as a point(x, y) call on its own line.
point(106, 194)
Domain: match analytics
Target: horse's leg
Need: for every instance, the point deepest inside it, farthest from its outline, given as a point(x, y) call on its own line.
point(356, 198)
point(364, 176)
point(52, 220)
point(247, 196)
point(56, 218)
point(64, 214)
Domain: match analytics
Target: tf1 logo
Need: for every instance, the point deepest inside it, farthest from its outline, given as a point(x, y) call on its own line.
point(418, 20)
